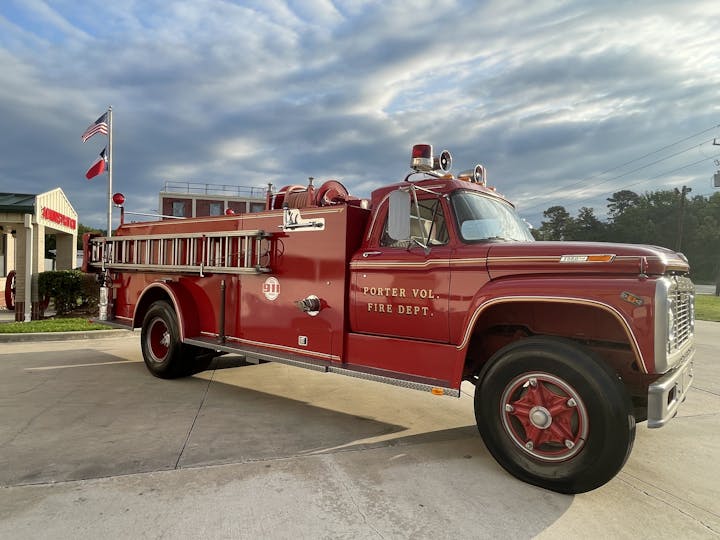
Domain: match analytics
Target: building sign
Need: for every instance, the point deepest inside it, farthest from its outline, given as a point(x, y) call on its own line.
point(57, 217)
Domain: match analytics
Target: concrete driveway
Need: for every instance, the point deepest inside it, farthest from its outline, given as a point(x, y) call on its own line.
point(91, 445)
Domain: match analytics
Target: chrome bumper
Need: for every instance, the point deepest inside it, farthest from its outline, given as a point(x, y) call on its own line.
point(667, 393)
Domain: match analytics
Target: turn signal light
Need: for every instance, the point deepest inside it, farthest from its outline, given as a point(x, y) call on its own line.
point(437, 391)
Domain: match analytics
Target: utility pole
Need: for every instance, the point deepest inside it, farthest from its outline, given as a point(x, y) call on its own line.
point(717, 185)
point(685, 190)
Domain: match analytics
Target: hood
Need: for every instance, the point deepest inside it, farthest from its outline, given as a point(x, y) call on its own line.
point(582, 258)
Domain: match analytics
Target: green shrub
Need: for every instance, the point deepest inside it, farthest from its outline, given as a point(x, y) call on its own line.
point(71, 290)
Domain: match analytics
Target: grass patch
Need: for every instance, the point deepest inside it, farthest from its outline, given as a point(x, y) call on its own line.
point(707, 307)
point(50, 325)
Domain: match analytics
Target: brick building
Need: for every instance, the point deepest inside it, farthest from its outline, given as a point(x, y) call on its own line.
point(194, 199)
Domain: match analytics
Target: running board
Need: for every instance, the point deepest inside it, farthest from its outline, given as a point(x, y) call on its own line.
point(251, 353)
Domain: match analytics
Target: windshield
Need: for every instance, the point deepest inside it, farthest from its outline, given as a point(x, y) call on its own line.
point(482, 218)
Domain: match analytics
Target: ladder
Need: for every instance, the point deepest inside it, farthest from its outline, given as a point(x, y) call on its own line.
point(224, 252)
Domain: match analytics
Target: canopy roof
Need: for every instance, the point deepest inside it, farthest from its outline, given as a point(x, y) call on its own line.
point(17, 202)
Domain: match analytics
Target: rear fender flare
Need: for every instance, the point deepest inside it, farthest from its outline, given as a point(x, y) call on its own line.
point(178, 298)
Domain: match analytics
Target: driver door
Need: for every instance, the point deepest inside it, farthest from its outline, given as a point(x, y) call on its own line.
point(400, 288)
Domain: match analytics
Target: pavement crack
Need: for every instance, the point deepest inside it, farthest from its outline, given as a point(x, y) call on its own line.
point(197, 414)
point(32, 420)
point(648, 491)
point(706, 391)
point(345, 484)
point(34, 387)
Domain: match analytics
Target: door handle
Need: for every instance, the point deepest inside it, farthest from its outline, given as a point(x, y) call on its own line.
point(367, 254)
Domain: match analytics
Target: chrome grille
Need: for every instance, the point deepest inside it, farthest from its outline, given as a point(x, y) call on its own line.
point(682, 299)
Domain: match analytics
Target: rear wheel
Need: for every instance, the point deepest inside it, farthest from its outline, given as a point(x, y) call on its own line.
point(553, 416)
point(164, 354)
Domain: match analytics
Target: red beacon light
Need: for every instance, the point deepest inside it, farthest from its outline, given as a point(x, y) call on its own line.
point(118, 199)
point(423, 160)
point(229, 212)
point(422, 157)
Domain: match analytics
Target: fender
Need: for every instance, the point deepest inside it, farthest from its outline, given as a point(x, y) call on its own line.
point(178, 297)
point(635, 321)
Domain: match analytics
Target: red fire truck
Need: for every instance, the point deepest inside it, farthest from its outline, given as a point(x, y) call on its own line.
point(433, 281)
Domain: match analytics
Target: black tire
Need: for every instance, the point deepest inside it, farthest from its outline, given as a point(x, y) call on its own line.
point(10, 290)
point(554, 416)
point(164, 354)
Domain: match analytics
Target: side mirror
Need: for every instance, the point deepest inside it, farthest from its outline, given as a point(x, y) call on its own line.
point(399, 215)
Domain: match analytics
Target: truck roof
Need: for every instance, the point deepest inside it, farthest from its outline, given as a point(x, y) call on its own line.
point(444, 184)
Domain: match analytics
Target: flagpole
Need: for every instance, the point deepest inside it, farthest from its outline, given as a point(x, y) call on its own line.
point(110, 168)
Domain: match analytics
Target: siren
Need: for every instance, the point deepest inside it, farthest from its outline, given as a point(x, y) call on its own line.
point(422, 158)
point(443, 163)
point(480, 175)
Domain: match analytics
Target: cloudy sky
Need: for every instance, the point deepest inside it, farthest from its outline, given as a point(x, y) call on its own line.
point(564, 102)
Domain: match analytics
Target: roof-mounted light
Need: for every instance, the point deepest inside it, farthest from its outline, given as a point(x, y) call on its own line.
point(422, 158)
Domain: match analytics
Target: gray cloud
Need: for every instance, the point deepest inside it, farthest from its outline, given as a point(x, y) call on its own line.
point(545, 94)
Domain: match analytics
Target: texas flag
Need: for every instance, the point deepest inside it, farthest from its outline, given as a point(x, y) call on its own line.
point(99, 166)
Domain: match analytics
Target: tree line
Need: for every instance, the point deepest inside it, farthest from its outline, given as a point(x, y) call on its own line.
point(666, 218)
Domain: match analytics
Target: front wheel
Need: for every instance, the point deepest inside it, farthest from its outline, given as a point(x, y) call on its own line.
point(553, 416)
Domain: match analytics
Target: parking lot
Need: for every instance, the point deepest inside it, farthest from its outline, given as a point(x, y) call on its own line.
point(93, 446)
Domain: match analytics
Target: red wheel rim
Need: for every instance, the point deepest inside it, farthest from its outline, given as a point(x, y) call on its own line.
point(544, 416)
point(10, 290)
point(158, 340)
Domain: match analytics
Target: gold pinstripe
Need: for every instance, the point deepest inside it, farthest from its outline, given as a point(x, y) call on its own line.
point(556, 299)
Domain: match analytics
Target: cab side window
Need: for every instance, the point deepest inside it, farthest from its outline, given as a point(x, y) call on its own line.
point(427, 225)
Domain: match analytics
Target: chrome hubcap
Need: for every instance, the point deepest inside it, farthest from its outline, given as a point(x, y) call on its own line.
point(540, 417)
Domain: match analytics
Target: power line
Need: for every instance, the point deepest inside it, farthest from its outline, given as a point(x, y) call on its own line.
point(640, 168)
point(584, 180)
point(668, 172)
point(653, 163)
point(664, 173)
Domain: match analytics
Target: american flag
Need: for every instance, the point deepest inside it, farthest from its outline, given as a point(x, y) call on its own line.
point(99, 126)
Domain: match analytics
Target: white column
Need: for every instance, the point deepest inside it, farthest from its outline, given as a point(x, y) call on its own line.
point(28, 266)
